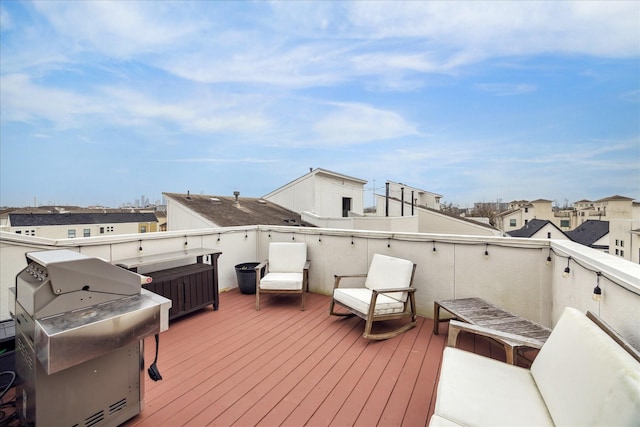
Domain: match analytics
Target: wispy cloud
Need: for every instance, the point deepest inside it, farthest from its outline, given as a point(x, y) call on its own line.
point(6, 23)
point(358, 124)
point(506, 89)
point(466, 96)
point(25, 101)
point(121, 29)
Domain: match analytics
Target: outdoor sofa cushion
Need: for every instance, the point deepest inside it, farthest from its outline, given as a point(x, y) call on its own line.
point(581, 377)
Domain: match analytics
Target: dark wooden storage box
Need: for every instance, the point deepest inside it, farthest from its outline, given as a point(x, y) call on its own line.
point(189, 287)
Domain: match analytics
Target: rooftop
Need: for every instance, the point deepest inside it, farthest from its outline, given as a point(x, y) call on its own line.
point(589, 232)
point(42, 219)
point(284, 366)
point(280, 365)
point(231, 211)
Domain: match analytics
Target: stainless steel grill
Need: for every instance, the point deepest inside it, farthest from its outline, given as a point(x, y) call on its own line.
point(80, 325)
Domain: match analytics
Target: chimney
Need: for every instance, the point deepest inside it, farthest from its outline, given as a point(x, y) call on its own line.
point(236, 193)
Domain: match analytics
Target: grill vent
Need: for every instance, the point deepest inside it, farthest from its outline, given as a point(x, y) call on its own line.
point(94, 419)
point(118, 406)
point(24, 352)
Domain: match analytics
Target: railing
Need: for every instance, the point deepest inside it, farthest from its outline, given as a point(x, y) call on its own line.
point(512, 273)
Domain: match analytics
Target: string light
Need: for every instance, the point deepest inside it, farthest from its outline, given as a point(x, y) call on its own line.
point(549, 257)
point(140, 248)
point(434, 247)
point(597, 292)
point(185, 241)
point(567, 270)
point(486, 251)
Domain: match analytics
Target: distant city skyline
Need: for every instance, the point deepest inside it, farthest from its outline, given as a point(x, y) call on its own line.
point(137, 203)
point(103, 101)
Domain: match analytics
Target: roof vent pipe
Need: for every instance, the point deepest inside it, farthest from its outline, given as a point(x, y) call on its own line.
point(412, 204)
point(386, 200)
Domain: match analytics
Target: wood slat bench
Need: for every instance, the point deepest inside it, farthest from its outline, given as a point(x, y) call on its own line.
point(484, 318)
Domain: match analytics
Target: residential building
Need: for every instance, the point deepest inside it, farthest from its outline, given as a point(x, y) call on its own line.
point(408, 196)
point(79, 224)
point(539, 229)
point(321, 193)
point(401, 201)
point(592, 233)
point(622, 214)
point(190, 212)
point(521, 212)
point(333, 200)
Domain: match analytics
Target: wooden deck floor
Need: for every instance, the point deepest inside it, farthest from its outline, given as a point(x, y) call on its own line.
point(283, 366)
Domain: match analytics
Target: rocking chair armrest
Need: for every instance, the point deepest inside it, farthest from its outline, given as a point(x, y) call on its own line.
point(307, 264)
point(385, 291)
point(339, 277)
point(504, 338)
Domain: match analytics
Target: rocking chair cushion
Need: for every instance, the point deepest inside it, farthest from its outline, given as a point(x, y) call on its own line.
point(282, 281)
point(360, 298)
point(388, 272)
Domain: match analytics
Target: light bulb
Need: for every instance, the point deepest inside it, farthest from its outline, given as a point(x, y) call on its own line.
point(597, 294)
point(566, 272)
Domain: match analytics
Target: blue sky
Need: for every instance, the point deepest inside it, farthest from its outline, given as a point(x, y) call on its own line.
point(101, 102)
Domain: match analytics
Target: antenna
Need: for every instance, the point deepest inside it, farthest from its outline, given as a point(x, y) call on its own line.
point(373, 192)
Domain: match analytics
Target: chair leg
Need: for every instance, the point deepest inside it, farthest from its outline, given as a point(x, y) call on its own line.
point(303, 292)
point(436, 318)
point(258, 298)
point(367, 328)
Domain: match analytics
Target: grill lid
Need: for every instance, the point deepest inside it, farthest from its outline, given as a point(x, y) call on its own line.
point(62, 280)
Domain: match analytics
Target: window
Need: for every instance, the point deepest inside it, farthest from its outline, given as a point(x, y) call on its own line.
point(526, 210)
point(101, 230)
point(143, 228)
point(71, 233)
point(622, 243)
point(512, 223)
point(617, 242)
point(621, 253)
point(86, 232)
point(548, 235)
point(346, 206)
point(617, 252)
point(564, 223)
point(18, 231)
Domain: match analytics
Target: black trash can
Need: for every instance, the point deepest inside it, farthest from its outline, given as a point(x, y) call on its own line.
point(246, 275)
